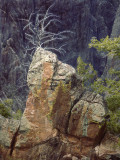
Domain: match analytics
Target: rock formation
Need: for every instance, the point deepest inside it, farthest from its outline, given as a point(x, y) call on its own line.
point(85, 18)
point(61, 120)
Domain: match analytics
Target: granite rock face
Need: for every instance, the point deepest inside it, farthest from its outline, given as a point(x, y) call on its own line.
point(113, 62)
point(60, 121)
point(85, 18)
point(87, 115)
point(116, 25)
point(46, 66)
point(109, 148)
point(8, 131)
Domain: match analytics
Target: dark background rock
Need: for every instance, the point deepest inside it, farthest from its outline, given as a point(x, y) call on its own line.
point(85, 18)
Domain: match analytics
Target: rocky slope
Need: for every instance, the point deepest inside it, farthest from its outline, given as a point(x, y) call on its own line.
point(61, 120)
point(85, 18)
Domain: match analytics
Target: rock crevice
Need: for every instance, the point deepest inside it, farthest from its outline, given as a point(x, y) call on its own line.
point(14, 140)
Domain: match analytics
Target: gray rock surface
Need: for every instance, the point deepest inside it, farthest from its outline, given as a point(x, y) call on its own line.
point(8, 127)
point(116, 25)
point(113, 62)
point(60, 71)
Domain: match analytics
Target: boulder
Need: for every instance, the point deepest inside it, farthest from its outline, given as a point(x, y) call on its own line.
point(87, 116)
point(87, 123)
point(109, 148)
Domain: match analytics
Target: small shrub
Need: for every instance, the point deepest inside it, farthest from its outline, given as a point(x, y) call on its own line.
point(18, 114)
point(113, 102)
point(113, 124)
point(37, 93)
point(86, 71)
point(8, 102)
point(49, 115)
point(4, 111)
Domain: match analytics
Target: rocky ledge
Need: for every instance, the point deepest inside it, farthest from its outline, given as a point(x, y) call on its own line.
point(61, 120)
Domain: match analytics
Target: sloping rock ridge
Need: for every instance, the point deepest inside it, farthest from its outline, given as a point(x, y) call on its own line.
point(61, 121)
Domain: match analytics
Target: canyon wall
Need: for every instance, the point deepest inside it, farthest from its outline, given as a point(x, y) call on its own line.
point(85, 18)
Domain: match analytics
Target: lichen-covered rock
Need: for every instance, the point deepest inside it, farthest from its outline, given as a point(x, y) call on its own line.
point(109, 148)
point(87, 117)
point(45, 66)
point(45, 74)
point(86, 123)
point(51, 84)
point(35, 126)
point(61, 120)
point(8, 128)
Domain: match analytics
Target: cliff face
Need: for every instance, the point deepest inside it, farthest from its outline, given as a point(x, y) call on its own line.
point(85, 18)
point(113, 62)
point(61, 120)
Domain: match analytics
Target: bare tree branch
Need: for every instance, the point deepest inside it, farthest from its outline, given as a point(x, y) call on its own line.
point(38, 35)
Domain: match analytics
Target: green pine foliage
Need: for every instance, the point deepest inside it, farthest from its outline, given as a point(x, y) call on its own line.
point(110, 45)
point(113, 102)
point(17, 115)
point(6, 109)
point(113, 124)
point(111, 86)
point(86, 71)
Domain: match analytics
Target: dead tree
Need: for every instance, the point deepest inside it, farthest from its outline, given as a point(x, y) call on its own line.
point(38, 35)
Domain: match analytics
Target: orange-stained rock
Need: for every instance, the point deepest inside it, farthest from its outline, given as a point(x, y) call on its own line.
point(45, 73)
point(87, 117)
point(61, 107)
point(35, 126)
